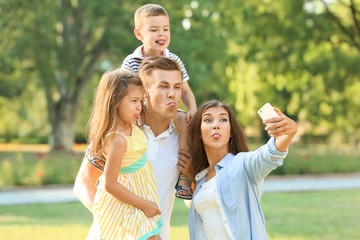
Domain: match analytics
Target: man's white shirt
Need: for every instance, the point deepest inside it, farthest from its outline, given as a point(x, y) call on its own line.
point(162, 152)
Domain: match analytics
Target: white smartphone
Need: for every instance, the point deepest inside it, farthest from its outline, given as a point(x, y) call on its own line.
point(267, 111)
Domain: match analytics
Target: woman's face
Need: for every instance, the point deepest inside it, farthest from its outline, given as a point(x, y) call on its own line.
point(215, 130)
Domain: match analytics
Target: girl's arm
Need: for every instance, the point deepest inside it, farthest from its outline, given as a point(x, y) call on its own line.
point(116, 150)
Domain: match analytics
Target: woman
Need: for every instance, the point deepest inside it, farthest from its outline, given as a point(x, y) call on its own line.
point(229, 178)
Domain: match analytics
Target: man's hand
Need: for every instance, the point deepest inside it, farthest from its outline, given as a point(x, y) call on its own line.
point(189, 116)
point(184, 164)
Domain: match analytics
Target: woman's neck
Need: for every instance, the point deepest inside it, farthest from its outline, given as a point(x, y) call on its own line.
point(214, 156)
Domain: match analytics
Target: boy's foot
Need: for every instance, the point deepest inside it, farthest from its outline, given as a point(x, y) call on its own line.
point(183, 188)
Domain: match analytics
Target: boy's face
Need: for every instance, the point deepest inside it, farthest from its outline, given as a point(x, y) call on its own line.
point(154, 32)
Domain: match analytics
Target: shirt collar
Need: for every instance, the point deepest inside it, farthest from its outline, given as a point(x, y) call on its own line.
point(138, 52)
point(218, 166)
point(224, 161)
point(166, 133)
point(201, 174)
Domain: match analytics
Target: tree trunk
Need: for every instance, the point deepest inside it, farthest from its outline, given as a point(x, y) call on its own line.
point(63, 127)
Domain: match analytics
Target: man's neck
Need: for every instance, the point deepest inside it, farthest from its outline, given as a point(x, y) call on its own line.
point(158, 125)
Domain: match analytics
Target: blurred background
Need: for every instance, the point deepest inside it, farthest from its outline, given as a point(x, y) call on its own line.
point(302, 56)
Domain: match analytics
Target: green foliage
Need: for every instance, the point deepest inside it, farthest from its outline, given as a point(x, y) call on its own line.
point(302, 56)
point(318, 159)
point(36, 169)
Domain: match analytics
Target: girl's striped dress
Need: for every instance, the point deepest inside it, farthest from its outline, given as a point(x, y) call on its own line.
point(118, 220)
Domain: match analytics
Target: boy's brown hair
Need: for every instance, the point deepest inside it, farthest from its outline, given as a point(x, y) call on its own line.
point(148, 10)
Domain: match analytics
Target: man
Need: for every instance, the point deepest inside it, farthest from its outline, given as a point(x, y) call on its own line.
point(162, 79)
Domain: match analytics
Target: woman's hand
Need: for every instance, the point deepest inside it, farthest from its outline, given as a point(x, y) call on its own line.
point(282, 128)
point(282, 125)
point(150, 209)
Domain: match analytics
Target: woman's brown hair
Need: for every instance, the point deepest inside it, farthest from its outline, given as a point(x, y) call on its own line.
point(237, 142)
point(112, 88)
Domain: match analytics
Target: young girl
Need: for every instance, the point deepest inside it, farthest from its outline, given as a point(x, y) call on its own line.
point(126, 201)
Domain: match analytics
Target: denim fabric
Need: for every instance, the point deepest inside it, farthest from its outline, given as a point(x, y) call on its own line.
point(239, 181)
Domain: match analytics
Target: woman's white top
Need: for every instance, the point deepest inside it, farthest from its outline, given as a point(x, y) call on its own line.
point(206, 206)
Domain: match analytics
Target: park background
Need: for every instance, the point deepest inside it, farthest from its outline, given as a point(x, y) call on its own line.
point(301, 56)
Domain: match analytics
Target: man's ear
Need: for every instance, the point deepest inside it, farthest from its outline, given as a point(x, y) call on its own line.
point(138, 34)
point(146, 94)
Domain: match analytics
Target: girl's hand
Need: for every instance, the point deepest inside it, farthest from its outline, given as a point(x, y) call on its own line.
point(150, 209)
point(281, 125)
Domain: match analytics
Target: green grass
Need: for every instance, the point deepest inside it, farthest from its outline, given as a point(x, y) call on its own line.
point(330, 215)
point(289, 216)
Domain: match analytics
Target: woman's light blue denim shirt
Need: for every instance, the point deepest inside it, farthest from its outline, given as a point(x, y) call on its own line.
point(239, 181)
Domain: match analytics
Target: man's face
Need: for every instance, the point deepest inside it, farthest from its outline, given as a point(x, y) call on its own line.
point(164, 93)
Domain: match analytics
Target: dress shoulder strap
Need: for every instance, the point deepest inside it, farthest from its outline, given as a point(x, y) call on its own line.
point(116, 132)
point(109, 134)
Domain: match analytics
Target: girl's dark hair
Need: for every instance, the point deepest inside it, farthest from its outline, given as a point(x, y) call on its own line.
point(237, 142)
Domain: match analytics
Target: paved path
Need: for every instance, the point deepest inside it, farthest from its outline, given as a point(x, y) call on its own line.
point(61, 193)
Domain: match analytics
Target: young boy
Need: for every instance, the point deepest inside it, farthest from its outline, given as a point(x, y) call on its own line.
point(152, 28)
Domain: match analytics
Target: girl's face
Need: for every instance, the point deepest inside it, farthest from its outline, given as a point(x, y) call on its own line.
point(215, 130)
point(130, 106)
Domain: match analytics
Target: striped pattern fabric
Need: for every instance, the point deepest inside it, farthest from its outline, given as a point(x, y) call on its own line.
point(133, 61)
point(118, 220)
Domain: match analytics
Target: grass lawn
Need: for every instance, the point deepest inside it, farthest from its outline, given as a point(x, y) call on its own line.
point(309, 215)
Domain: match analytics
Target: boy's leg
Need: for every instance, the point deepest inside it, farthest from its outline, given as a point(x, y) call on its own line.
point(183, 188)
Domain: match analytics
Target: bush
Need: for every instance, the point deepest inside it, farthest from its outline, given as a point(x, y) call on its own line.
point(319, 159)
point(36, 169)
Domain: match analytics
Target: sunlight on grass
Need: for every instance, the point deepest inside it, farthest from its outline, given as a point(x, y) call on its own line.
point(40, 232)
point(179, 221)
point(330, 215)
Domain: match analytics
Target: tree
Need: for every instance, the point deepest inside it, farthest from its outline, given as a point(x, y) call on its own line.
point(63, 41)
point(300, 55)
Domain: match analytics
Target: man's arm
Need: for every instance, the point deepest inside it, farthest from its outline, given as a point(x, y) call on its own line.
point(184, 164)
point(85, 183)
